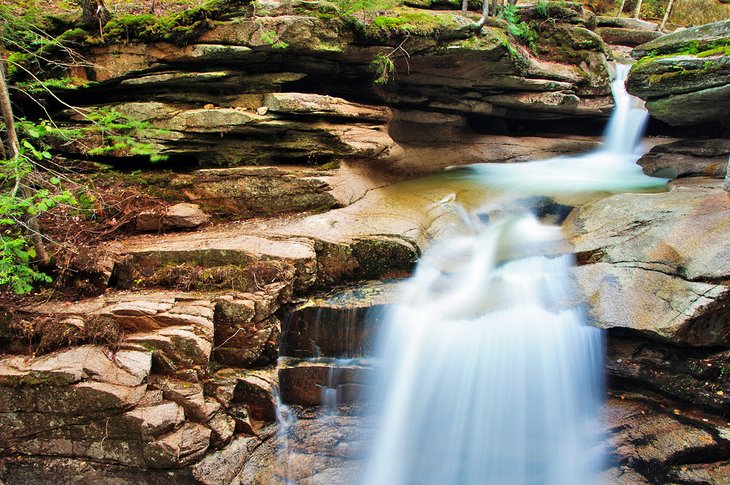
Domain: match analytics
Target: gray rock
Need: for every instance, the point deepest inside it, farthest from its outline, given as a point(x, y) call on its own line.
point(656, 263)
point(680, 233)
point(627, 23)
point(654, 304)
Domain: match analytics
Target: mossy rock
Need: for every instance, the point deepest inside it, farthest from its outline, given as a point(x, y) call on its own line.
point(403, 21)
point(656, 77)
point(688, 41)
point(489, 39)
point(627, 37)
point(566, 43)
point(179, 28)
point(442, 4)
point(560, 12)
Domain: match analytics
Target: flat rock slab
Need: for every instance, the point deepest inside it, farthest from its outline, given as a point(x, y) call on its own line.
point(378, 235)
point(626, 23)
point(127, 368)
point(688, 158)
point(656, 305)
point(681, 233)
point(627, 36)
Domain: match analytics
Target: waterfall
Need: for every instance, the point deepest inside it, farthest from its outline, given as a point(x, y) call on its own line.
point(611, 168)
point(626, 126)
point(489, 373)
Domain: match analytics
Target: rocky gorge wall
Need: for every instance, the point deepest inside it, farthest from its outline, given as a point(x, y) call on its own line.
point(290, 180)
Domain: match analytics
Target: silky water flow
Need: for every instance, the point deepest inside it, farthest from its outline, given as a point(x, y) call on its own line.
point(489, 374)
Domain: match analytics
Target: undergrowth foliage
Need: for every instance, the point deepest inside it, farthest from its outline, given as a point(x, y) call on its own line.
point(17, 271)
point(33, 170)
point(33, 183)
point(520, 29)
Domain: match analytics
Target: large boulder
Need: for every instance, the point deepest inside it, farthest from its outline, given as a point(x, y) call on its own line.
point(656, 263)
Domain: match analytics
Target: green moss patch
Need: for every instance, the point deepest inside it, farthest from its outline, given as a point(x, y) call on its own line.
point(178, 27)
point(402, 20)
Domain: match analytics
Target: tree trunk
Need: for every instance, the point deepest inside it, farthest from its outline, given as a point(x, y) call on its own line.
point(485, 15)
point(637, 12)
point(88, 12)
point(621, 8)
point(667, 14)
point(6, 110)
point(464, 6)
point(94, 12)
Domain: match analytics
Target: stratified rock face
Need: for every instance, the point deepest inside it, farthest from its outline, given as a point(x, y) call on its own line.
point(699, 376)
point(187, 391)
point(144, 406)
point(657, 263)
point(301, 101)
point(86, 403)
point(341, 325)
point(685, 76)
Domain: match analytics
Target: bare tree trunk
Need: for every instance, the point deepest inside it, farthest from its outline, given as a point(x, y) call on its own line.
point(637, 12)
point(667, 14)
point(621, 8)
point(6, 110)
point(464, 6)
point(485, 15)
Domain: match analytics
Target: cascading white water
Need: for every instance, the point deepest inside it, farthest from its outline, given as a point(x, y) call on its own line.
point(629, 117)
point(490, 375)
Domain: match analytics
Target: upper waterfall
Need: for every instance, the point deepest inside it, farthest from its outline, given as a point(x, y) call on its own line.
point(610, 168)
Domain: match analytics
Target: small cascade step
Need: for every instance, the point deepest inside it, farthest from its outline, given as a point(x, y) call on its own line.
point(341, 324)
point(327, 382)
point(326, 343)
